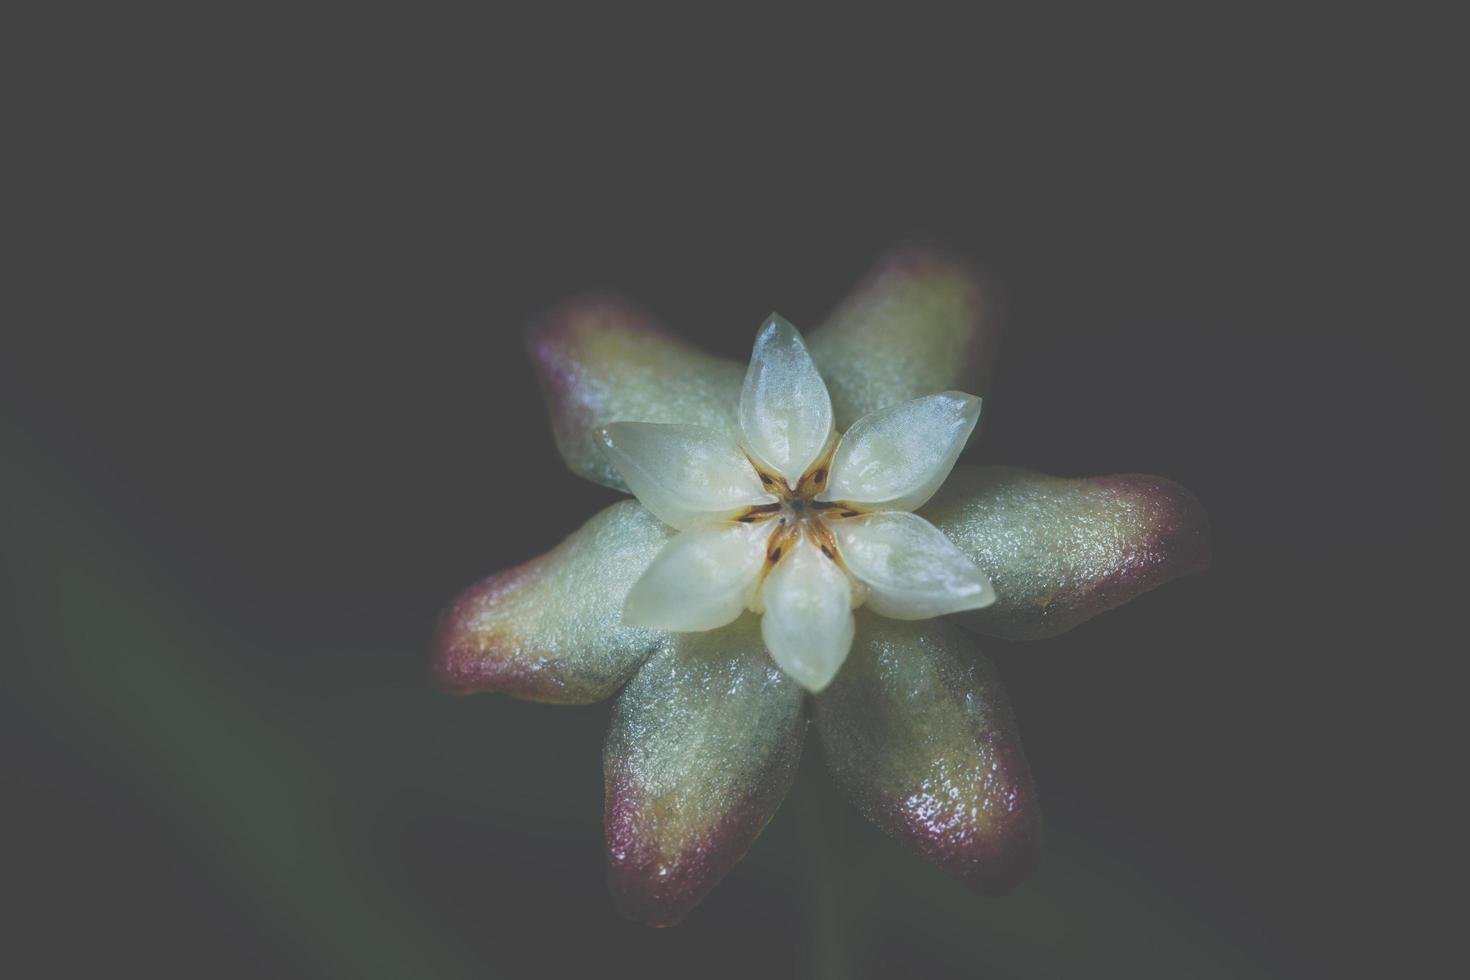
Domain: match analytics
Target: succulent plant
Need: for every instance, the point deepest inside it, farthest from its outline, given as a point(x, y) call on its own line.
point(804, 550)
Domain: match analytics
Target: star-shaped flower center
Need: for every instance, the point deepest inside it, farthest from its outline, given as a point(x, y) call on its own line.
point(792, 522)
point(799, 517)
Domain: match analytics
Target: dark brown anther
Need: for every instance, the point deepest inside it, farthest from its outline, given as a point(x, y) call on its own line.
point(819, 476)
point(849, 513)
point(823, 504)
point(757, 512)
point(766, 480)
point(776, 554)
point(828, 552)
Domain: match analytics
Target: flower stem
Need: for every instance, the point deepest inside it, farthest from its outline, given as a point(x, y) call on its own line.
point(826, 849)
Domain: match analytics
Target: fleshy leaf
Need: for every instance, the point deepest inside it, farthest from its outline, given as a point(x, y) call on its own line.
point(911, 570)
point(919, 323)
point(807, 622)
point(785, 413)
point(701, 580)
point(685, 474)
point(919, 735)
point(703, 746)
point(552, 629)
point(1059, 551)
point(602, 361)
point(896, 458)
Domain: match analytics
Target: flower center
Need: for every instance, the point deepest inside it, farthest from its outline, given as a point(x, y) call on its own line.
point(797, 513)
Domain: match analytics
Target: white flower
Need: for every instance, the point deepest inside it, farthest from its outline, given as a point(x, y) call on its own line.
point(794, 523)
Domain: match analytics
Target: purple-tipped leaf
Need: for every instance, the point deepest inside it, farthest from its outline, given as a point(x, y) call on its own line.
point(919, 323)
point(703, 746)
point(601, 361)
point(552, 629)
point(919, 735)
point(1059, 551)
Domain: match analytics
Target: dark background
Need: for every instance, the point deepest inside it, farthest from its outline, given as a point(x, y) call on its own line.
point(266, 408)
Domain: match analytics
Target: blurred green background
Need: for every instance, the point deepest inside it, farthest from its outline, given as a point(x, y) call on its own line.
point(264, 409)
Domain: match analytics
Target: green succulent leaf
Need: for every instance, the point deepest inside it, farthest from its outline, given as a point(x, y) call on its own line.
point(703, 747)
point(919, 323)
point(552, 629)
point(601, 361)
point(1059, 551)
point(920, 737)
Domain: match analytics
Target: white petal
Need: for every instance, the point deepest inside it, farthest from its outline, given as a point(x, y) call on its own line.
point(808, 621)
point(785, 411)
point(911, 569)
point(685, 474)
point(701, 580)
point(897, 457)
